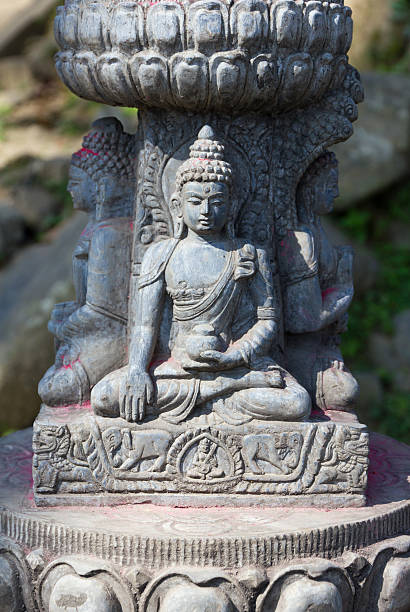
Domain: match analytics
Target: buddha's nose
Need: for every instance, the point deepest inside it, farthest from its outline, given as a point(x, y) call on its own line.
point(205, 207)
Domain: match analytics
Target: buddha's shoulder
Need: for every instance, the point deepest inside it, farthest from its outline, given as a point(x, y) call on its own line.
point(158, 250)
point(155, 260)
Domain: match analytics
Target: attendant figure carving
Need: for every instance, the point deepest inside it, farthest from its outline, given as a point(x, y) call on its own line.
point(225, 314)
point(318, 291)
point(205, 464)
point(91, 332)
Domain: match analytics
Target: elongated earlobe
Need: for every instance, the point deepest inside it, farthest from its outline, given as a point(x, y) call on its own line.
point(176, 213)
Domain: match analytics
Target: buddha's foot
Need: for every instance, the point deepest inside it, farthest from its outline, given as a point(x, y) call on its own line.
point(64, 385)
point(259, 380)
point(336, 389)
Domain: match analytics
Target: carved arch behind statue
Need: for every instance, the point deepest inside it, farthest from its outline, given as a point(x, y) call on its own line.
point(167, 140)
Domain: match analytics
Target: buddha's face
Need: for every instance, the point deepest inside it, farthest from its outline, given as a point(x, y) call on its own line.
point(326, 190)
point(205, 206)
point(83, 189)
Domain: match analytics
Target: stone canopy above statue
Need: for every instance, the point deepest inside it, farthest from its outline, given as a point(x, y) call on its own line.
point(204, 55)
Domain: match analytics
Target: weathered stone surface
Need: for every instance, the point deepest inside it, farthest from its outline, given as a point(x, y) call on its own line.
point(201, 57)
point(154, 558)
point(255, 333)
point(91, 332)
point(202, 461)
point(29, 286)
point(230, 266)
point(377, 154)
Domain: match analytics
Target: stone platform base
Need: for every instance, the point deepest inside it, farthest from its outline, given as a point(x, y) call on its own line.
point(156, 559)
point(87, 460)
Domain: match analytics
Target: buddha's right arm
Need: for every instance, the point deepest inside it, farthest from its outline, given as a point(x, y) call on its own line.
point(308, 309)
point(144, 333)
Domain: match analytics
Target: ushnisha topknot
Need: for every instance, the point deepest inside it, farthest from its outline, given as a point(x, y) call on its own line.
point(205, 163)
point(107, 150)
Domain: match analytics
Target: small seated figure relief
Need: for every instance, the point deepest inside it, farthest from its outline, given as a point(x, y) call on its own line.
point(91, 333)
point(127, 449)
point(205, 464)
point(318, 289)
point(225, 314)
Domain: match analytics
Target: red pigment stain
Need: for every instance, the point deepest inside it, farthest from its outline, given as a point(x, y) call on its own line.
point(328, 291)
point(160, 360)
point(83, 153)
point(317, 412)
point(131, 225)
point(104, 225)
point(69, 366)
point(63, 412)
point(196, 160)
point(285, 247)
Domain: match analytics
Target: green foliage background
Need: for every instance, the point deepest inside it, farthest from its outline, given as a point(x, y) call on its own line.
point(374, 312)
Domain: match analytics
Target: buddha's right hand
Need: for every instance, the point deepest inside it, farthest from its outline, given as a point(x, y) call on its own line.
point(136, 392)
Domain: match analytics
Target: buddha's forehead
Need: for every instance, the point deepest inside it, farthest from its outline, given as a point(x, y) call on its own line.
point(206, 188)
point(327, 173)
point(77, 173)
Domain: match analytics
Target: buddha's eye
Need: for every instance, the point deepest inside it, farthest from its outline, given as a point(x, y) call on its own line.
point(217, 202)
point(194, 201)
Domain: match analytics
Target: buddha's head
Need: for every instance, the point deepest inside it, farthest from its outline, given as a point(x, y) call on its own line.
point(102, 172)
point(319, 187)
point(202, 200)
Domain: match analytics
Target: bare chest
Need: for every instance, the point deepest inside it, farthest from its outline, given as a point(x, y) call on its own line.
point(195, 267)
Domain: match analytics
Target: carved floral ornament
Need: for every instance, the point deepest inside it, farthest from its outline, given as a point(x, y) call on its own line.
point(208, 54)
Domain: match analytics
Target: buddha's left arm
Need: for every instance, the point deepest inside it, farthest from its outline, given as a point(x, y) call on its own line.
point(258, 339)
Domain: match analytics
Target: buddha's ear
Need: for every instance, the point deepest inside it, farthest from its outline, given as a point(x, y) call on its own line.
point(175, 204)
point(176, 213)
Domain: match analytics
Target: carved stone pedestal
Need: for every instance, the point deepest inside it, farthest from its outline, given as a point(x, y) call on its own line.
point(83, 459)
point(156, 558)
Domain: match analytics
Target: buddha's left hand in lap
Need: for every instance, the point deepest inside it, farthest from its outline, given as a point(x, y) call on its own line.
point(226, 361)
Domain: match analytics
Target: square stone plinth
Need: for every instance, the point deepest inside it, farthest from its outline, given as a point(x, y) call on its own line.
point(80, 458)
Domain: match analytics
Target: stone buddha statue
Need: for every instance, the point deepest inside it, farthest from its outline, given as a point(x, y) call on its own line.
point(224, 315)
point(318, 291)
point(91, 332)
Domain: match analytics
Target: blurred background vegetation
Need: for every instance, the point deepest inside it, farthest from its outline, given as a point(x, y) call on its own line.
point(41, 124)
